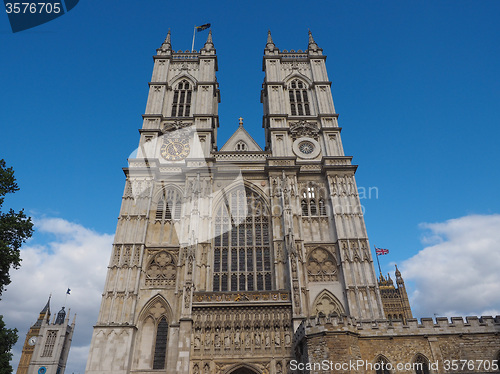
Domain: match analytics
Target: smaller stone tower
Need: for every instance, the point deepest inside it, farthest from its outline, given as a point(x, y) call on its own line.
point(47, 344)
point(395, 300)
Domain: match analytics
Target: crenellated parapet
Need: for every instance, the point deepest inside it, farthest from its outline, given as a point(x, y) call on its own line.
point(414, 326)
point(435, 343)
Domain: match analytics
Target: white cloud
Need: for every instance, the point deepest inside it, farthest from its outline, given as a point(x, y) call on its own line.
point(457, 274)
point(61, 254)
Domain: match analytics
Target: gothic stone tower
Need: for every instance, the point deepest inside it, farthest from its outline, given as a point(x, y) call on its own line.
point(395, 299)
point(220, 254)
point(47, 344)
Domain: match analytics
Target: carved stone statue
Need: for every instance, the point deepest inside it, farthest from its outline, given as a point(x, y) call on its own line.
point(217, 339)
point(237, 338)
point(257, 339)
point(287, 339)
point(197, 342)
point(268, 339)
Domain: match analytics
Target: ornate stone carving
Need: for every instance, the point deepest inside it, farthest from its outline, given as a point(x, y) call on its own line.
point(240, 297)
point(251, 329)
point(161, 270)
point(321, 266)
point(304, 129)
point(327, 304)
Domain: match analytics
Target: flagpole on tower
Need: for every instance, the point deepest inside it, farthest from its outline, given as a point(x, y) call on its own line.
point(192, 45)
point(378, 262)
point(199, 28)
point(67, 293)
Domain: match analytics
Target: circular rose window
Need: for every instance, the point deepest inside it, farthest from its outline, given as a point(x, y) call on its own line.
point(306, 147)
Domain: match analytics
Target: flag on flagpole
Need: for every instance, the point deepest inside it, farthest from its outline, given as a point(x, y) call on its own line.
point(202, 27)
point(68, 292)
point(381, 251)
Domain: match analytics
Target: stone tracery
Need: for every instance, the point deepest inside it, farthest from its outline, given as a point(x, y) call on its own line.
point(161, 270)
point(321, 266)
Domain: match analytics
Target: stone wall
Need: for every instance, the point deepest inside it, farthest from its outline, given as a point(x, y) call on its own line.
point(346, 345)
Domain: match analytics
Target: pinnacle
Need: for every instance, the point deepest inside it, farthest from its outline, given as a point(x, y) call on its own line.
point(209, 44)
point(270, 44)
point(167, 44)
point(269, 37)
point(312, 43)
point(47, 306)
point(311, 39)
point(398, 273)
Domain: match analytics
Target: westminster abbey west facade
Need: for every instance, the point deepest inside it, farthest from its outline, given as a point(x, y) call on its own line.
point(249, 260)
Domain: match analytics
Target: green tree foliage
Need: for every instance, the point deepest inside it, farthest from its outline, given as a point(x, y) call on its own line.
point(15, 228)
point(8, 337)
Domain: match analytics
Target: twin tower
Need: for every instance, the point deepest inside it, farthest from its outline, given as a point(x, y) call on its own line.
point(220, 254)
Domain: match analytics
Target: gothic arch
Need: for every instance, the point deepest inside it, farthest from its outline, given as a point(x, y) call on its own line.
point(184, 75)
point(381, 359)
point(313, 199)
point(153, 328)
point(156, 307)
point(164, 188)
point(326, 303)
point(424, 361)
point(219, 196)
point(242, 258)
point(167, 203)
point(297, 75)
point(243, 369)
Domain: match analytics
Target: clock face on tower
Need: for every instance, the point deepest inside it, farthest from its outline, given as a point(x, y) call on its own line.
point(32, 340)
point(175, 149)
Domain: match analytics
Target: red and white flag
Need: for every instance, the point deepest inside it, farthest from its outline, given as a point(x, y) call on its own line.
point(381, 251)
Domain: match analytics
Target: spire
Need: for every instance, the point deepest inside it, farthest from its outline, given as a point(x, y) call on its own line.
point(44, 313)
point(398, 273)
point(209, 44)
point(399, 278)
point(166, 46)
point(46, 308)
point(312, 44)
point(167, 42)
point(270, 44)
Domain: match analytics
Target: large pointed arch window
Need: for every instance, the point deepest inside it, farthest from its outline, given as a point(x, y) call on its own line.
point(169, 206)
point(421, 364)
point(49, 343)
point(312, 201)
point(382, 366)
point(242, 253)
point(181, 104)
point(299, 99)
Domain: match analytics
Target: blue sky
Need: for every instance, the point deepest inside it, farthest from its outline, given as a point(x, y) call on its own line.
point(416, 84)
